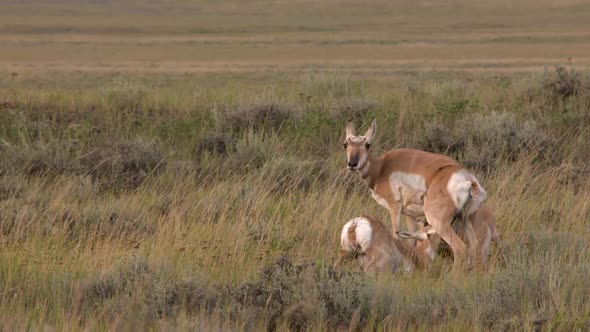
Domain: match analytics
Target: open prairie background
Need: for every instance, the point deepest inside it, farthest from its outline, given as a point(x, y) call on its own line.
point(178, 165)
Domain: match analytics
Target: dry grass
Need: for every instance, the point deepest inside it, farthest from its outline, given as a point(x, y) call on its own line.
point(186, 221)
point(183, 168)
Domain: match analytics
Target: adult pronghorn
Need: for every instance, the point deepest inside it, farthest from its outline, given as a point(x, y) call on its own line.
point(417, 183)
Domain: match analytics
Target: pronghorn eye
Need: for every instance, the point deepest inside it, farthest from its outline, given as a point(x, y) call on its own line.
point(367, 145)
point(345, 145)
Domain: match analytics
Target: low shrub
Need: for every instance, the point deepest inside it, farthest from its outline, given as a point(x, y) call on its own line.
point(111, 284)
point(482, 141)
point(39, 158)
point(353, 109)
point(219, 144)
point(267, 114)
point(151, 288)
point(567, 83)
point(252, 152)
point(125, 164)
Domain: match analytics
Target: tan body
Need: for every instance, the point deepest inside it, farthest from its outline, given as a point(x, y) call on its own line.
point(401, 179)
point(368, 240)
point(483, 223)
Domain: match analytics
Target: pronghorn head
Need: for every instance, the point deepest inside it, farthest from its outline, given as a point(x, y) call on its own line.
point(357, 147)
point(424, 244)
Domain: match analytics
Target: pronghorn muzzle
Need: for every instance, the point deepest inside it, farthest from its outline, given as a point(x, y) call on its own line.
point(353, 162)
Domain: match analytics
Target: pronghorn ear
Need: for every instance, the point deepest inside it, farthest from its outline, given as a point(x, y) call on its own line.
point(371, 132)
point(349, 129)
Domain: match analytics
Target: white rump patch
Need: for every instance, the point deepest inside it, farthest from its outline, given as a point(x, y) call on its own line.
point(363, 233)
point(459, 188)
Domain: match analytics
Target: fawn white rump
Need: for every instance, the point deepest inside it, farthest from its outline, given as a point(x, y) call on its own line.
point(417, 183)
point(366, 239)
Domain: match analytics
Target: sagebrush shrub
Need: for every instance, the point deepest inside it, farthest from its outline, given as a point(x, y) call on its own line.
point(270, 114)
point(125, 163)
point(108, 285)
point(252, 152)
point(220, 144)
point(482, 141)
point(353, 109)
point(40, 158)
point(566, 83)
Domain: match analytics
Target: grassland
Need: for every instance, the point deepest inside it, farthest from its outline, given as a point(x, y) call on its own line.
point(179, 165)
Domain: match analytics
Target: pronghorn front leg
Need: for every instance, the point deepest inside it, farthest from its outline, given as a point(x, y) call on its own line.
point(395, 209)
point(412, 227)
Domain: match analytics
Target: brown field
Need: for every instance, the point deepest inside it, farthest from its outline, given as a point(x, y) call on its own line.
point(177, 165)
point(377, 40)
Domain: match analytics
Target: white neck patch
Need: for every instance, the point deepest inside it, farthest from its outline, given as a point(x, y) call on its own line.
point(364, 171)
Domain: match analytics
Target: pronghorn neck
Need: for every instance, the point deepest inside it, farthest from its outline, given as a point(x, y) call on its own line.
point(370, 170)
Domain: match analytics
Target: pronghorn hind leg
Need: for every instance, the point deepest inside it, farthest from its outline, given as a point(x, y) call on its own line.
point(439, 216)
point(440, 210)
point(371, 265)
point(457, 246)
point(472, 244)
